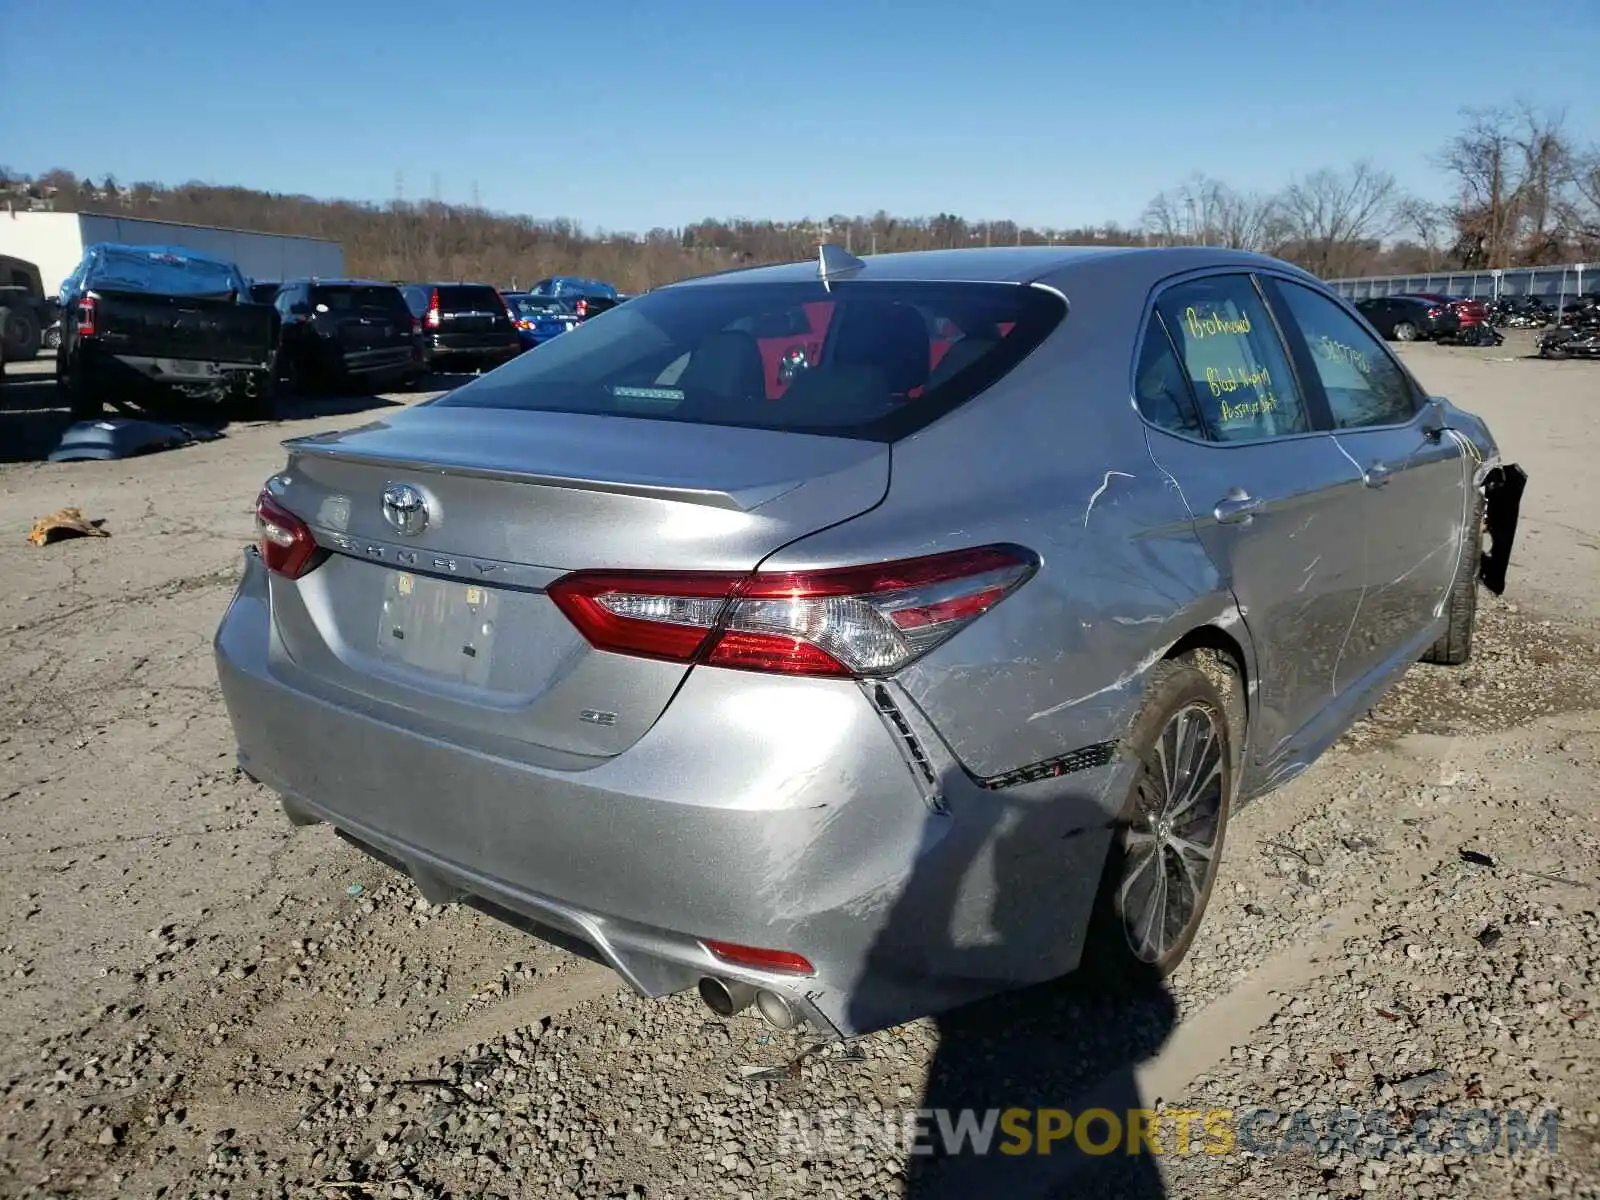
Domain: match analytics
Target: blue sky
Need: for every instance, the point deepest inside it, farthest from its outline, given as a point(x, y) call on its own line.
point(628, 115)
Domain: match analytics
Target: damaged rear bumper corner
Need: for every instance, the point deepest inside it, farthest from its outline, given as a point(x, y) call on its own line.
point(1502, 485)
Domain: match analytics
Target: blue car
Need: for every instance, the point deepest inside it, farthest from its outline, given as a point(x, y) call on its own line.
point(540, 318)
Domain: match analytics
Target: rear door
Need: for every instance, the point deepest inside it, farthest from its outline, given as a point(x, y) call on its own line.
point(1274, 498)
point(361, 317)
point(473, 316)
point(1415, 479)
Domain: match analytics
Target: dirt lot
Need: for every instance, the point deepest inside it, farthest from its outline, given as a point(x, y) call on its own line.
point(201, 1003)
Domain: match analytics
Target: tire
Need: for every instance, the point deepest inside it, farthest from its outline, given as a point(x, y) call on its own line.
point(1197, 687)
point(1404, 331)
point(1454, 647)
point(52, 338)
point(19, 328)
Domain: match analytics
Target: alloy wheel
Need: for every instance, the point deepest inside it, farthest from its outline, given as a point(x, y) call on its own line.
point(1172, 837)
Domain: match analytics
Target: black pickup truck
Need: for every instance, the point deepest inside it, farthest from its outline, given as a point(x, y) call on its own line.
point(158, 322)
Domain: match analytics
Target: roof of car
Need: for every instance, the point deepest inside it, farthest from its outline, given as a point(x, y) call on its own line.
point(1000, 264)
point(319, 282)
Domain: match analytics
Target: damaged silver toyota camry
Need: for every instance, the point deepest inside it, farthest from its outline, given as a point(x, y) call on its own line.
point(858, 638)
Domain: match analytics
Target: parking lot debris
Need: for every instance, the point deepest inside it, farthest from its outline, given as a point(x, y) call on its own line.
point(1476, 857)
point(65, 523)
point(1413, 1086)
point(121, 437)
point(1489, 937)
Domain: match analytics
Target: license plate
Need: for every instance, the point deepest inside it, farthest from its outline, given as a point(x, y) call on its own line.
point(439, 626)
point(185, 366)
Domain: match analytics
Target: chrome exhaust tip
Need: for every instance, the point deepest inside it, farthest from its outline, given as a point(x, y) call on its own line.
point(776, 1010)
point(725, 997)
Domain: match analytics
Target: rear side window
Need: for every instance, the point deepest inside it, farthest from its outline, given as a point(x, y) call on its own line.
point(457, 297)
point(868, 360)
point(358, 298)
point(1234, 359)
point(1363, 384)
point(1160, 386)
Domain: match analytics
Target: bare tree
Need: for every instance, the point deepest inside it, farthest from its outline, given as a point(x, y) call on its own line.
point(1332, 220)
point(1426, 225)
point(1483, 160)
point(1548, 170)
point(1202, 210)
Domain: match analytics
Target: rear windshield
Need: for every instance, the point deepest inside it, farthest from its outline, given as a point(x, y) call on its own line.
point(341, 298)
point(566, 285)
point(533, 306)
point(468, 297)
point(867, 360)
point(163, 273)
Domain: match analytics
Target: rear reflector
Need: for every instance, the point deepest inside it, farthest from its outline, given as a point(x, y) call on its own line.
point(869, 620)
point(765, 960)
point(287, 546)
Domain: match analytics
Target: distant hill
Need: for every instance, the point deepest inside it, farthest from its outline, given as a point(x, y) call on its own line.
point(413, 240)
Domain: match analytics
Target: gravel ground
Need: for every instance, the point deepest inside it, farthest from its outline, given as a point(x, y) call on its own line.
point(202, 1003)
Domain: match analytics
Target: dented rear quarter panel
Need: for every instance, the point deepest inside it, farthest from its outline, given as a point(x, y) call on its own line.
point(1053, 458)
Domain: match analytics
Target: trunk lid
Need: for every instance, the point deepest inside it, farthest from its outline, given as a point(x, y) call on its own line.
point(451, 622)
point(182, 327)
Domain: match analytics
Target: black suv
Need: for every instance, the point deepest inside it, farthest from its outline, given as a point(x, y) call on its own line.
point(465, 326)
point(336, 332)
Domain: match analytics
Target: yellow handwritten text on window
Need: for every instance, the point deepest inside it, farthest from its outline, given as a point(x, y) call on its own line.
point(1227, 383)
point(1340, 354)
point(1261, 406)
point(1210, 324)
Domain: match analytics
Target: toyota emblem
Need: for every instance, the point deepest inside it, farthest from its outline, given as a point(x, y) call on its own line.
point(405, 508)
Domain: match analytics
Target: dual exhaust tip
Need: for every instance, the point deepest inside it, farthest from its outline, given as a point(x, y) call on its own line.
point(728, 997)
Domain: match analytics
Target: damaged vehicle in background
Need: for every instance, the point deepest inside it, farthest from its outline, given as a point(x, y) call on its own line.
point(153, 323)
point(930, 671)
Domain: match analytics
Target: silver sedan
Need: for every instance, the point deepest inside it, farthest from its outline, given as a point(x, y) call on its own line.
point(859, 638)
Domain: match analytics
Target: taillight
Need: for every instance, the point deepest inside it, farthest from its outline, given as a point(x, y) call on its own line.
point(870, 620)
point(581, 308)
point(1436, 312)
point(433, 310)
point(86, 314)
point(287, 546)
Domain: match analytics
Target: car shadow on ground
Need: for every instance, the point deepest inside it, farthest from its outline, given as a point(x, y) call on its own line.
point(1059, 1051)
point(34, 416)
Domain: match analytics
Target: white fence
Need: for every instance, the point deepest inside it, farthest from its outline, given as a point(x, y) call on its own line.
point(1559, 284)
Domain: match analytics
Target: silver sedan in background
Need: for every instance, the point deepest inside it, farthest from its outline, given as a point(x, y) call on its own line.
point(859, 638)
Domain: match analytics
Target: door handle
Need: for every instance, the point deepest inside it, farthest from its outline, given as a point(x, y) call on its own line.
point(1376, 475)
point(1236, 509)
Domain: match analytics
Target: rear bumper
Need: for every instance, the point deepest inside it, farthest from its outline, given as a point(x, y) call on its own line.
point(384, 360)
point(771, 813)
point(481, 357)
point(101, 370)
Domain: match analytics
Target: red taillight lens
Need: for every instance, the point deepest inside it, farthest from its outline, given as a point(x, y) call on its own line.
point(870, 620)
point(581, 308)
point(86, 314)
point(432, 320)
point(765, 960)
point(287, 546)
point(1436, 312)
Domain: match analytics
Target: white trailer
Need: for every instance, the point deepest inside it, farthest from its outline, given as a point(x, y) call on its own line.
point(55, 242)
